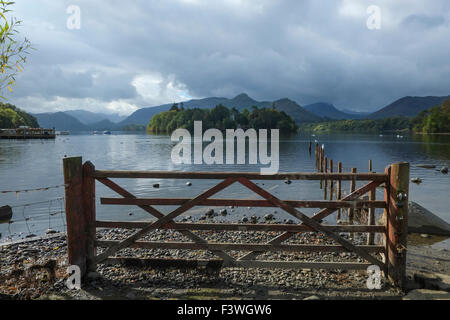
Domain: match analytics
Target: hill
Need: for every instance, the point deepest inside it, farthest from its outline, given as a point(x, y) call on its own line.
point(240, 102)
point(60, 121)
point(12, 117)
point(88, 117)
point(327, 110)
point(407, 107)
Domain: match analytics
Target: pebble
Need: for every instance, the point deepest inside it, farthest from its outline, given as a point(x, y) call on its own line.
point(156, 185)
point(188, 184)
point(223, 212)
point(444, 170)
point(209, 213)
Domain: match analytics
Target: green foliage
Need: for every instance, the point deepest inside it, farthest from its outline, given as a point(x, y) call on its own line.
point(133, 128)
point(12, 51)
point(434, 120)
point(221, 118)
point(364, 126)
point(12, 117)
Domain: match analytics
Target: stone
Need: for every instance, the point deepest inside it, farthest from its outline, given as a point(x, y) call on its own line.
point(92, 276)
point(444, 170)
point(424, 235)
point(288, 181)
point(432, 281)
point(425, 294)
point(421, 220)
point(426, 166)
point(188, 184)
point(268, 216)
point(416, 180)
point(312, 298)
point(156, 185)
point(50, 231)
point(244, 219)
point(209, 213)
point(223, 212)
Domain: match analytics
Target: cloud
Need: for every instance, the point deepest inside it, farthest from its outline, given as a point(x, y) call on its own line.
point(145, 53)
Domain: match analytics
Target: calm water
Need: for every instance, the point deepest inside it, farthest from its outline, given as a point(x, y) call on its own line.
point(34, 164)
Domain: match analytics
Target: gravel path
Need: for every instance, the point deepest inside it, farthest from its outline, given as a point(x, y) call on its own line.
point(23, 274)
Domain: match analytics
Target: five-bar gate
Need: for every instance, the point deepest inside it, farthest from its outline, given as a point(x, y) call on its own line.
point(390, 256)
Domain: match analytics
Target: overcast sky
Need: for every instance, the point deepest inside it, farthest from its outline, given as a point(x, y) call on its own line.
point(133, 54)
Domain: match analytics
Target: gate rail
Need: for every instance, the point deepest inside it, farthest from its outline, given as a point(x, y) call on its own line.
point(82, 224)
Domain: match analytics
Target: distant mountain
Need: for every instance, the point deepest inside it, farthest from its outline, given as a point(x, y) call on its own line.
point(60, 121)
point(327, 110)
point(143, 116)
point(298, 113)
point(357, 113)
point(88, 117)
point(104, 125)
point(407, 107)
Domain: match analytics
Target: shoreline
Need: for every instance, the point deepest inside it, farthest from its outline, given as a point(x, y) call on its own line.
point(121, 282)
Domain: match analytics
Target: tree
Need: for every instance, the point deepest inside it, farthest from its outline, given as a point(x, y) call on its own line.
point(13, 51)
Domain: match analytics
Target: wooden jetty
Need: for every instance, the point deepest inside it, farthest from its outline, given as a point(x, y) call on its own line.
point(27, 133)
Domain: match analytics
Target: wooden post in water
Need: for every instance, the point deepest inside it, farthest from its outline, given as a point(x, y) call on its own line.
point(339, 190)
point(351, 211)
point(371, 217)
point(397, 223)
point(75, 218)
point(331, 181)
point(325, 187)
point(89, 213)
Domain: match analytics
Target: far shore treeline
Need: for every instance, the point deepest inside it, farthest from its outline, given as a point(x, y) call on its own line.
point(434, 120)
point(221, 118)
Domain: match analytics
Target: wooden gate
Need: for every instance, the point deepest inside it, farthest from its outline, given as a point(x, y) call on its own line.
point(390, 257)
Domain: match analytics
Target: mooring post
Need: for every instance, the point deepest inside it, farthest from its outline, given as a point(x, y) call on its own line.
point(331, 181)
point(339, 190)
point(371, 217)
point(76, 222)
point(89, 213)
point(351, 211)
point(325, 169)
point(397, 222)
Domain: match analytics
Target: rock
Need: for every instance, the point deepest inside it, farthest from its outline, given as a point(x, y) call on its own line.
point(312, 298)
point(51, 231)
point(426, 166)
point(130, 214)
point(6, 213)
point(424, 235)
point(156, 185)
point(254, 219)
point(188, 184)
point(288, 221)
point(425, 294)
point(287, 181)
point(268, 217)
point(421, 220)
point(244, 219)
point(223, 212)
point(416, 180)
point(92, 276)
point(444, 170)
point(209, 213)
point(433, 281)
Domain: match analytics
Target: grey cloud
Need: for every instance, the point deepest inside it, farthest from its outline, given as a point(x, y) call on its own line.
point(306, 50)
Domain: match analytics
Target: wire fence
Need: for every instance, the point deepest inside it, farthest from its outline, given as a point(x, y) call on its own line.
point(35, 219)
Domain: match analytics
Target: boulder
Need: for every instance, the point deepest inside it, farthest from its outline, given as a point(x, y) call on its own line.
point(421, 220)
point(6, 213)
point(425, 294)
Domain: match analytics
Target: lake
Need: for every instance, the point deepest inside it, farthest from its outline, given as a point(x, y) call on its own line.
point(31, 164)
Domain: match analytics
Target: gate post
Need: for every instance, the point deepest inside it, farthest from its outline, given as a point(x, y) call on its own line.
point(89, 213)
point(397, 223)
point(76, 224)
